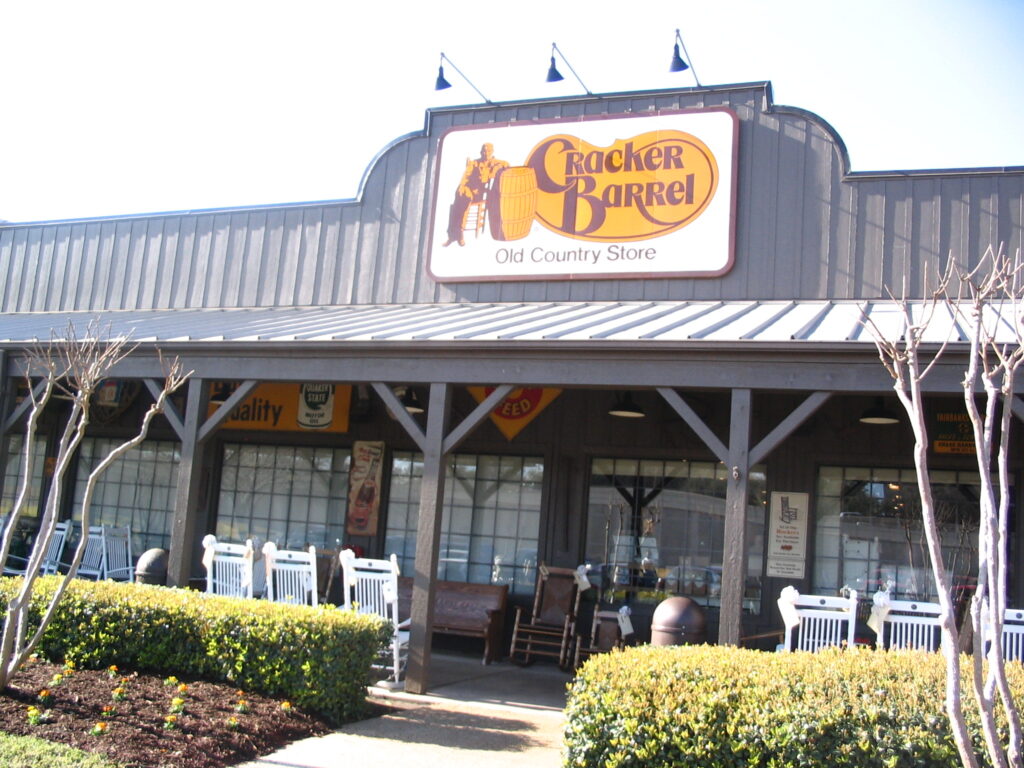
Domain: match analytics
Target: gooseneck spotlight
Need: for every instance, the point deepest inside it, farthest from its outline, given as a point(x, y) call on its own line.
point(442, 83)
point(678, 62)
point(554, 75)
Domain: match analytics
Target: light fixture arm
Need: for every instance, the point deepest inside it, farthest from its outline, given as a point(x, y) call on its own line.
point(679, 39)
point(445, 58)
point(554, 48)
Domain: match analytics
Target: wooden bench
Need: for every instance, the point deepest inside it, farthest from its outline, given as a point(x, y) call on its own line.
point(468, 610)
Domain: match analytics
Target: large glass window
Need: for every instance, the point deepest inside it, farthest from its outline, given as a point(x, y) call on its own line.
point(292, 495)
point(870, 534)
point(490, 523)
point(137, 490)
point(656, 528)
point(12, 476)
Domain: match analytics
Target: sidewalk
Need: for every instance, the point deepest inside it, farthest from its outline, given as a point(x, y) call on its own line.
point(500, 715)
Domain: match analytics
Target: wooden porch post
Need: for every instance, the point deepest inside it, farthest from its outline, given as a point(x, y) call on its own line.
point(734, 560)
point(186, 494)
point(428, 539)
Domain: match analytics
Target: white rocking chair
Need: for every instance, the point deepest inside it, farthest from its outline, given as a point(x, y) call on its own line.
point(1013, 634)
point(18, 566)
point(906, 623)
point(94, 559)
point(820, 621)
point(371, 586)
point(229, 567)
point(291, 575)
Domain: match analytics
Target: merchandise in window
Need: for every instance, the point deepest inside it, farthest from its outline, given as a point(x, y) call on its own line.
point(655, 529)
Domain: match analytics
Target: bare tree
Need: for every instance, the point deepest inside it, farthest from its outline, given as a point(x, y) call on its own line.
point(75, 367)
point(983, 305)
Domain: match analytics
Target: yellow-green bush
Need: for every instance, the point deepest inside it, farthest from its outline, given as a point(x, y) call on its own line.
point(318, 658)
point(718, 707)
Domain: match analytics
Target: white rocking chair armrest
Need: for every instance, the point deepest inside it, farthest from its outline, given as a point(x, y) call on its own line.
point(404, 623)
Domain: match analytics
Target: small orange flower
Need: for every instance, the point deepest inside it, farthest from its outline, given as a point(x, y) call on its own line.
point(286, 706)
point(99, 729)
point(182, 688)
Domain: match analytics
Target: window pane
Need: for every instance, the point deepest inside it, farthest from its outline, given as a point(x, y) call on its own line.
point(491, 517)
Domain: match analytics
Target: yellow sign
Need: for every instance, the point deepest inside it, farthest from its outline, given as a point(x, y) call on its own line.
point(638, 188)
point(309, 407)
point(517, 410)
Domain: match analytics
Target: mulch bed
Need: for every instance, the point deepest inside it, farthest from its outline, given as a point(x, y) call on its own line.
point(135, 734)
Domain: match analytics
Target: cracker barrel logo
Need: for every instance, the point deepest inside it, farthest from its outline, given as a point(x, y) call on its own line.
point(636, 189)
point(634, 196)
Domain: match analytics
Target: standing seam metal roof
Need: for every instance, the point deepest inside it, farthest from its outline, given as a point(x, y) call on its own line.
point(598, 322)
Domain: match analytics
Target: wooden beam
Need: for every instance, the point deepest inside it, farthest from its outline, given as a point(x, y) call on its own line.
point(402, 416)
point(471, 422)
point(696, 423)
point(785, 428)
point(219, 416)
point(22, 408)
point(734, 558)
point(428, 541)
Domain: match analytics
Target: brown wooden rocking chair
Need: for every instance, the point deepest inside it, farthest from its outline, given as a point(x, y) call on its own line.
point(605, 635)
point(549, 629)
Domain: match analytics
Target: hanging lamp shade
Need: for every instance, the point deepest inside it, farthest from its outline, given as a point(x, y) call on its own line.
point(441, 83)
point(677, 65)
point(553, 74)
point(878, 414)
point(625, 408)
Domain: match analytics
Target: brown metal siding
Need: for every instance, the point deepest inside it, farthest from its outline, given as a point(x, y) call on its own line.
point(803, 231)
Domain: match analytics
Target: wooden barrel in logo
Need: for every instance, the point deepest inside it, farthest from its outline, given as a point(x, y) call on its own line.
point(512, 202)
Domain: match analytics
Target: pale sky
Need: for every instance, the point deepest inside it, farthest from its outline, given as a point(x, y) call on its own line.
point(115, 108)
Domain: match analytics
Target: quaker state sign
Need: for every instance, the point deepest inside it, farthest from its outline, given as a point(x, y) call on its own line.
point(648, 195)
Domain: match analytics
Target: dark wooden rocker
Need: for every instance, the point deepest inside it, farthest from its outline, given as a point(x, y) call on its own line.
point(604, 636)
point(549, 629)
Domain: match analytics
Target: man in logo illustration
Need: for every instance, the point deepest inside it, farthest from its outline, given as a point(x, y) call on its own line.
point(479, 174)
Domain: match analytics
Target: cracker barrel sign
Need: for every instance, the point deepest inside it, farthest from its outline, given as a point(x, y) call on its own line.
point(636, 196)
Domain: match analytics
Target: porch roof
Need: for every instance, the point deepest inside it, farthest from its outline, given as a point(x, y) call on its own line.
point(586, 323)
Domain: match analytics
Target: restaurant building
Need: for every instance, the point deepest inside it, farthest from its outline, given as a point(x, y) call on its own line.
point(622, 330)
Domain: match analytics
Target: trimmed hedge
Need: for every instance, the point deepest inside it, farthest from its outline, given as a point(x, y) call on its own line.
point(319, 658)
point(714, 707)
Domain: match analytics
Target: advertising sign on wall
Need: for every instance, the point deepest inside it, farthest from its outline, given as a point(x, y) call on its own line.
point(953, 433)
point(364, 480)
point(648, 195)
point(311, 406)
point(787, 535)
point(522, 406)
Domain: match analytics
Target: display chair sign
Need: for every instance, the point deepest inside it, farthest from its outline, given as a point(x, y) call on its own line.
point(649, 195)
point(787, 535)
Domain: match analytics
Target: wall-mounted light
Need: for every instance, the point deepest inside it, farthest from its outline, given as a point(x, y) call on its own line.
point(625, 408)
point(441, 83)
point(678, 62)
point(878, 414)
point(554, 75)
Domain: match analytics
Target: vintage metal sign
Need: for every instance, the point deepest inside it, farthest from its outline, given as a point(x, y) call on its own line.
point(639, 196)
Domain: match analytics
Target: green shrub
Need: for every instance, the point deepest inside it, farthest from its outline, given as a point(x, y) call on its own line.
point(318, 658)
point(714, 707)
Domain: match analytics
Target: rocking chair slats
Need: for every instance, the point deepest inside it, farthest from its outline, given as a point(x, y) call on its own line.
point(291, 575)
point(17, 565)
point(822, 621)
point(548, 630)
point(371, 586)
point(229, 567)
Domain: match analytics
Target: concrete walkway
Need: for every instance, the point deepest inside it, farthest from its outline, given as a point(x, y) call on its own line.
point(501, 716)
